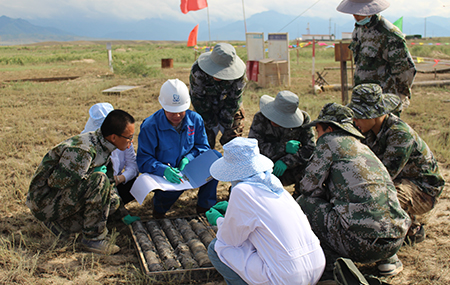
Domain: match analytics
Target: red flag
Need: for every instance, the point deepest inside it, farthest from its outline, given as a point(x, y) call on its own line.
point(192, 40)
point(192, 5)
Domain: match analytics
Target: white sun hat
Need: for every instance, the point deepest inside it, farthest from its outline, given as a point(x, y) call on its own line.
point(282, 110)
point(241, 159)
point(362, 7)
point(222, 62)
point(97, 114)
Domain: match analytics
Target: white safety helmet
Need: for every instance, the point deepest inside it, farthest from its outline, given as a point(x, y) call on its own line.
point(174, 96)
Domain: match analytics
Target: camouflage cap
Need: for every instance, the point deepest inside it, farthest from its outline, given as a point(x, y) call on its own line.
point(338, 115)
point(369, 102)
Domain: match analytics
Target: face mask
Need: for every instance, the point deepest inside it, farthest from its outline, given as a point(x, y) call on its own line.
point(364, 21)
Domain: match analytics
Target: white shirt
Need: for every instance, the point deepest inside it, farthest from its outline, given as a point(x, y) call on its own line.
point(124, 162)
point(267, 239)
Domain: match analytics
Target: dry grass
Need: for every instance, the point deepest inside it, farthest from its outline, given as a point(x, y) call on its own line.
point(36, 116)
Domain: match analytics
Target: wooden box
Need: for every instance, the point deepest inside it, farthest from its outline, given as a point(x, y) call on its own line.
point(273, 72)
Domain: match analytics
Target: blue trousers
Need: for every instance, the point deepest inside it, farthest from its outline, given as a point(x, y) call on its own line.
point(231, 277)
point(207, 196)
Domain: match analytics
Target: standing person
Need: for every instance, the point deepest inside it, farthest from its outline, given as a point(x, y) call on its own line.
point(407, 157)
point(379, 49)
point(278, 129)
point(169, 139)
point(217, 82)
point(349, 197)
point(72, 189)
point(124, 162)
point(264, 238)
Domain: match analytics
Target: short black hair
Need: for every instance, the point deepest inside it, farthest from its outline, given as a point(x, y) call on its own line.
point(116, 122)
point(326, 125)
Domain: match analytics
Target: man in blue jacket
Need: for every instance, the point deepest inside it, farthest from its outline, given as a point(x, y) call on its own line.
point(169, 139)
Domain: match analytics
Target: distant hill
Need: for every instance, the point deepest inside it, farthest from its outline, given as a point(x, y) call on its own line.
point(19, 31)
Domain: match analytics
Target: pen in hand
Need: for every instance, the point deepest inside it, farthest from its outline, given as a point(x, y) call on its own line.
point(181, 180)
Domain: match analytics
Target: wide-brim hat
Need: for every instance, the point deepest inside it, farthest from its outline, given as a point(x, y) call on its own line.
point(282, 110)
point(337, 115)
point(222, 62)
point(97, 114)
point(369, 102)
point(241, 159)
point(362, 7)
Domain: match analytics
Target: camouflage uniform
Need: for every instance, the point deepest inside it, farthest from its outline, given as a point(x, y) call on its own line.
point(407, 156)
point(381, 56)
point(350, 200)
point(219, 103)
point(65, 188)
point(272, 143)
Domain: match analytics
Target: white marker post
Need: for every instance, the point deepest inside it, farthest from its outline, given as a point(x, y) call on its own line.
point(108, 47)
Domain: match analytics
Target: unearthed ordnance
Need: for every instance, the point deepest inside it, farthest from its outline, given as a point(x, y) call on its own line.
point(196, 246)
point(165, 249)
point(147, 246)
point(181, 248)
point(202, 231)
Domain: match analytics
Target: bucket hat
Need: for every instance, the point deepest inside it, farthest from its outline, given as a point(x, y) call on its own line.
point(362, 7)
point(97, 114)
point(241, 159)
point(222, 62)
point(282, 110)
point(369, 102)
point(338, 115)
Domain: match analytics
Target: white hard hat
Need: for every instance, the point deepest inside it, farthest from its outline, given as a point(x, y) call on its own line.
point(174, 96)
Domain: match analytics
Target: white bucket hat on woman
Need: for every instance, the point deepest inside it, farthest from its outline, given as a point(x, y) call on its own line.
point(97, 114)
point(241, 159)
point(282, 110)
point(222, 62)
point(362, 7)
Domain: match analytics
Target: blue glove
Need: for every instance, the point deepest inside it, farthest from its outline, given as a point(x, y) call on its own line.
point(127, 220)
point(171, 175)
point(293, 146)
point(212, 215)
point(221, 207)
point(100, 169)
point(279, 168)
point(183, 163)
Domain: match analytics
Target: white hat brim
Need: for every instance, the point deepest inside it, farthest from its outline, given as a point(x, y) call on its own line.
point(362, 7)
point(232, 72)
point(224, 171)
point(266, 105)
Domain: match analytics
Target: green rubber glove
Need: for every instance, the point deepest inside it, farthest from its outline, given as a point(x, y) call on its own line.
point(183, 163)
point(212, 215)
point(127, 220)
point(279, 168)
point(293, 146)
point(171, 175)
point(221, 207)
point(100, 169)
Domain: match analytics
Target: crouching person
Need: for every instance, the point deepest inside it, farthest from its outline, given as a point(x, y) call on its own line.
point(72, 190)
point(264, 237)
point(349, 197)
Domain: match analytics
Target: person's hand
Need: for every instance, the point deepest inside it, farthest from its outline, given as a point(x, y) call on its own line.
point(100, 169)
point(212, 215)
point(171, 175)
point(183, 163)
point(119, 179)
point(292, 146)
point(127, 220)
point(221, 207)
point(279, 168)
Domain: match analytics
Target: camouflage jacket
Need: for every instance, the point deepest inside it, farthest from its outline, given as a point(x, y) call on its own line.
point(216, 101)
point(406, 155)
point(272, 140)
point(67, 164)
point(348, 175)
point(382, 57)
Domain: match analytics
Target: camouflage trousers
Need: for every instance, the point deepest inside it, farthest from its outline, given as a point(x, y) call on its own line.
point(227, 134)
point(83, 208)
point(415, 202)
point(337, 241)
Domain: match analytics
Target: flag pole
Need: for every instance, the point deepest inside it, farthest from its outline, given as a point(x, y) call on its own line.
point(245, 23)
point(209, 27)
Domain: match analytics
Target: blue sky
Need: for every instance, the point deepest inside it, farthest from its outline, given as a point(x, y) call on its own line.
point(218, 9)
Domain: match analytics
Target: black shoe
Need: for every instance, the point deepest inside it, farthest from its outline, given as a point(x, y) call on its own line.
point(158, 216)
point(201, 210)
point(419, 236)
